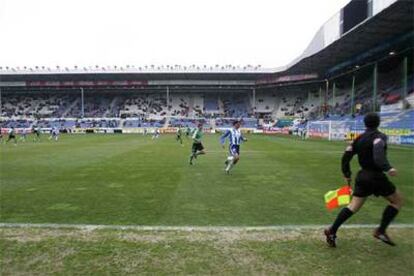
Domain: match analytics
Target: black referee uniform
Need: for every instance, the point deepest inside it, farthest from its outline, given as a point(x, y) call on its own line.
point(371, 148)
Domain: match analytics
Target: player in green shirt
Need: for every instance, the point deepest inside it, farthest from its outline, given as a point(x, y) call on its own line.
point(197, 147)
point(179, 135)
point(12, 136)
point(36, 133)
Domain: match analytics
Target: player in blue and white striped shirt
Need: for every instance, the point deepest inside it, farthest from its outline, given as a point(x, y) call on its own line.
point(235, 139)
point(54, 134)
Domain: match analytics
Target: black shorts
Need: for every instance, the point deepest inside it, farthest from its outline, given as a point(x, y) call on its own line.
point(197, 147)
point(372, 183)
point(12, 136)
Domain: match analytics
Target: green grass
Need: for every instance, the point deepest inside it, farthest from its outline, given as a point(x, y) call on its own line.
point(109, 252)
point(131, 179)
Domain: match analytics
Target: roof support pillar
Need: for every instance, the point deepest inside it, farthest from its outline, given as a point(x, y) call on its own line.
point(82, 103)
point(320, 101)
point(168, 97)
point(374, 87)
point(404, 78)
point(326, 110)
point(333, 96)
point(352, 95)
point(254, 100)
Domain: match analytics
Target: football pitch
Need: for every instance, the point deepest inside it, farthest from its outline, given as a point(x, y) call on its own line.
point(133, 180)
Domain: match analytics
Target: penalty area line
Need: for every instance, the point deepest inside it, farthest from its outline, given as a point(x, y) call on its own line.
point(288, 227)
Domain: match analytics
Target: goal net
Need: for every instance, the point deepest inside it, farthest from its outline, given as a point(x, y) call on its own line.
point(332, 130)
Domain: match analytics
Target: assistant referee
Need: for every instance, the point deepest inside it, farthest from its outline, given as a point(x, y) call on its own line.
point(371, 148)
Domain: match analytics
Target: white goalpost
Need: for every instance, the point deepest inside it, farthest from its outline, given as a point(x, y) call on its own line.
point(331, 130)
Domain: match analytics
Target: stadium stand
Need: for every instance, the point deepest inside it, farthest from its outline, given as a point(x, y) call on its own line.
point(28, 105)
point(185, 122)
point(211, 103)
point(236, 105)
point(341, 82)
point(399, 120)
point(141, 104)
point(146, 123)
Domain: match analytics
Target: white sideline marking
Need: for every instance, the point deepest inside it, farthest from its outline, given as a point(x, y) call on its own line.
point(91, 227)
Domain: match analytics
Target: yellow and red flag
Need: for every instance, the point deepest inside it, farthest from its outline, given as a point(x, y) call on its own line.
point(336, 198)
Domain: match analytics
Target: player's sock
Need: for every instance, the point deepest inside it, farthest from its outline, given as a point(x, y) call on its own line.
point(230, 163)
point(389, 214)
point(345, 214)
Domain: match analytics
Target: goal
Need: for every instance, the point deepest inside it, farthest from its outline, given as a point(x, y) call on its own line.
point(332, 130)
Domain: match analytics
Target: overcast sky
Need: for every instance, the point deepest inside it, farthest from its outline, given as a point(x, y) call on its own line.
point(143, 32)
